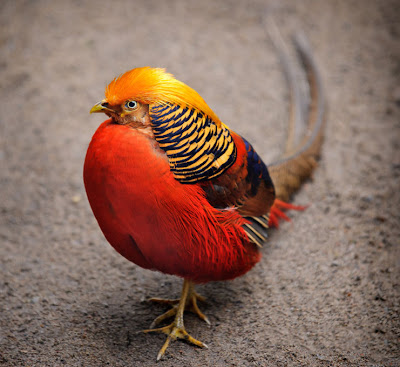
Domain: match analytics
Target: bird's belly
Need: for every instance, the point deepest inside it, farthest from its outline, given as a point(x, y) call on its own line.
point(157, 222)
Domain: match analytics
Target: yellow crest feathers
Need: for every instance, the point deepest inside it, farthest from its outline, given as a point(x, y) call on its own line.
point(154, 86)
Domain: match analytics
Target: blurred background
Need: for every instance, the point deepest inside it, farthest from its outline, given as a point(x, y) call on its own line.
point(327, 290)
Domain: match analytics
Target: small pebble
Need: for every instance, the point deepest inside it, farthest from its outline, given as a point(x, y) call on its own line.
point(76, 198)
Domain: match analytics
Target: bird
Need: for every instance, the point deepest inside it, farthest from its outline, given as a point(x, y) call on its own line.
point(177, 191)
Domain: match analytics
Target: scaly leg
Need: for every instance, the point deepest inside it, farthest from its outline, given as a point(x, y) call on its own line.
point(176, 330)
point(191, 305)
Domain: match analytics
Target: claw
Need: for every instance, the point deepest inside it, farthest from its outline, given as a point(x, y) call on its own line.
point(195, 309)
point(164, 301)
point(176, 330)
point(190, 305)
point(161, 318)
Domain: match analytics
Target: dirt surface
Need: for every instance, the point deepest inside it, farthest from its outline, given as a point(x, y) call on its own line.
point(326, 292)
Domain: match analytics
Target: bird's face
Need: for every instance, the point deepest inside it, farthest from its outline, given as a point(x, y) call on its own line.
point(130, 112)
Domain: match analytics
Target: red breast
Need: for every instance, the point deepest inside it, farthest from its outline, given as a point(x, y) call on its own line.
point(155, 221)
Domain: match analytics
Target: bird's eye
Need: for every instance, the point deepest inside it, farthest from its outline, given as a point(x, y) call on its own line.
point(131, 105)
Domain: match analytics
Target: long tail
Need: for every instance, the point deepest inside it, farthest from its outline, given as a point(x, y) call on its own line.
point(297, 164)
point(298, 161)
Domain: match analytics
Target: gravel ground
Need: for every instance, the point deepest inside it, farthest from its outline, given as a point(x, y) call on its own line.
point(326, 292)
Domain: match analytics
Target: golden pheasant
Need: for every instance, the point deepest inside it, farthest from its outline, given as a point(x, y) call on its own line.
point(175, 190)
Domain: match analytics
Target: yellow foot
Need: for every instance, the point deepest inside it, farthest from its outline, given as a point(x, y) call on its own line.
point(176, 330)
point(190, 305)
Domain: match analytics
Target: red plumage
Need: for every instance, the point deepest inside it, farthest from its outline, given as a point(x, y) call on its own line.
point(155, 221)
point(175, 190)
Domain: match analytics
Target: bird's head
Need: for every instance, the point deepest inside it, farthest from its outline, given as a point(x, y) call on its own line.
point(130, 97)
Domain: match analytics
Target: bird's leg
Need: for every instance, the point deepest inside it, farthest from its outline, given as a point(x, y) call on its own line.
point(176, 330)
point(190, 305)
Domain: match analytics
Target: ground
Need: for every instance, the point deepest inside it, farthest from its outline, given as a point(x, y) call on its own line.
point(326, 292)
